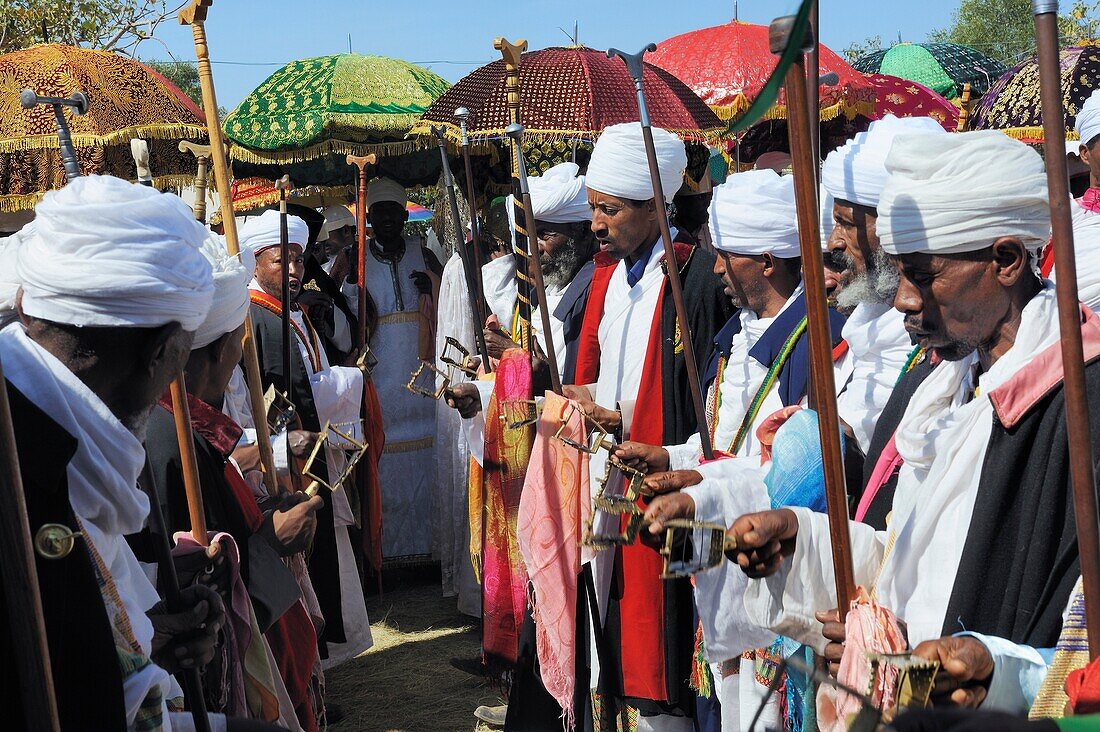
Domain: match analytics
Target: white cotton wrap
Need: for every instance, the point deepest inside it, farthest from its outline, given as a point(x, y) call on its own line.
point(559, 196)
point(856, 171)
point(262, 232)
point(959, 193)
point(753, 213)
point(385, 189)
point(1088, 120)
point(9, 281)
point(230, 303)
point(619, 166)
point(105, 252)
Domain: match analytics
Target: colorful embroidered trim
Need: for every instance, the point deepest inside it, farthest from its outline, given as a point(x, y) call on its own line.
point(267, 302)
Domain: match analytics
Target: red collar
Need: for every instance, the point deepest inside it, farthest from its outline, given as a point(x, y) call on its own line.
point(1091, 200)
point(219, 431)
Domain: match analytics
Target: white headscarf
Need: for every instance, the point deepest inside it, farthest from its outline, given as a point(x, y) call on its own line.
point(230, 303)
point(856, 171)
point(1088, 120)
point(753, 213)
point(958, 193)
point(619, 166)
point(559, 195)
point(337, 217)
point(261, 232)
point(9, 281)
point(105, 252)
point(385, 189)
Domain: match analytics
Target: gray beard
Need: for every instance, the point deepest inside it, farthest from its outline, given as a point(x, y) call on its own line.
point(877, 286)
point(559, 269)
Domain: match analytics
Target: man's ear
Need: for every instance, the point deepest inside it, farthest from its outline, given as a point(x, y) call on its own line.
point(1011, 260)
point(769, 263)
point(165, 349)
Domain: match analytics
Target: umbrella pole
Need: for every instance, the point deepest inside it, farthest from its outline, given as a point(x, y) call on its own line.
point(964, 112)
point(202, 158)
point(475, 226)
point(511, 52)
point(20, 579)
point(799, 116)
point(464, 253)
point(635, 65)
point(281, 186)
point(195, 16)
point(1069, 316)
point(813, 101)
point(516, 133)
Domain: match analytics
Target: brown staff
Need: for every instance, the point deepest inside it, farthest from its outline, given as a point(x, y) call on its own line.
point(1069, 316)
point(195, 16)
point(635, 65)
point(516, 133)
point(813, 272)
point(462, 114)
point(281, 186)
point(362, 162)
point(24, 603)
point(964, 108)
point(202, 157)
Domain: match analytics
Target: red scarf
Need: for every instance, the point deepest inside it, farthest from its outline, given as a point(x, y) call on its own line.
point(269, 303)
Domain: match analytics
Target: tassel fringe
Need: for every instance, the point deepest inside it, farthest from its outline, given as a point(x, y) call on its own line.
point(146, 132)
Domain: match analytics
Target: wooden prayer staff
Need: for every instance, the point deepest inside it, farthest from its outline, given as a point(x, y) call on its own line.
point(195, 15)
point(799, 120)
point(202, 156)
point(511, 53)
point(24, 604)
point(1069, 316)
point(469, 265)
point(361, 162)
point(462, 114)
point(192, 488)
point(636, 66)
point(530, 230)
point(281, 186)
point(190, 679)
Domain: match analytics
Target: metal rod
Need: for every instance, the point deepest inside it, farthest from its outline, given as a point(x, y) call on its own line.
point(79, 103)
point(1069, 317)
point(281, 186)
point(471, 201)
point(635, 65)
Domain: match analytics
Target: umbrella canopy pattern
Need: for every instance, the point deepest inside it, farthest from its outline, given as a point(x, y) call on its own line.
point(342, 104)
point(127, 100)
point(904, 98)
point(727, 66)
point(1012, 104)
point(568, 94)
point(945, 68)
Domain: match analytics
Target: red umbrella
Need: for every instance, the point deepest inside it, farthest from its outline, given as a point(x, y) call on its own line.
point(904, 98)
point(727, 65)
point(569, 94)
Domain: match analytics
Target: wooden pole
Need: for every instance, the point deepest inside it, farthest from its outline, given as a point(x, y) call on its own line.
point(202, 157)
point(516, 133)
point(195, 16)
point(24, 601)
point(813, 272)
point(1069, 316)
point(361, 162)
point(813, 92)
point(192, 488)
point(468, 263)
point(475, 226)
point(281, 186)
point(636, 66)
point(964, 112)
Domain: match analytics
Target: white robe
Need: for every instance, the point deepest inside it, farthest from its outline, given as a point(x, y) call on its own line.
point(1086, 248)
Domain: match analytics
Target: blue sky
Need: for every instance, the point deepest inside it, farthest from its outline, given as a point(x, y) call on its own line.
point(453, 37)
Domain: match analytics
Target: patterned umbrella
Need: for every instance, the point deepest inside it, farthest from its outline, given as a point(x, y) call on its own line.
point(727, 65)
point(1012, 104)
point(127, 100)
point(568, 94)
point(903, 98)
point(942, 67)
point(307, 116)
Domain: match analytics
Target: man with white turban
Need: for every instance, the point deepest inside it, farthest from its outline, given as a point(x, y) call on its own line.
point(982, 440)
point(631, 360)
point(755, 230)
point(321, 394)
point(113, 290)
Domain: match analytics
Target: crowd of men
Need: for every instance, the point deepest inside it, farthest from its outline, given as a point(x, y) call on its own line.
point(948, 373)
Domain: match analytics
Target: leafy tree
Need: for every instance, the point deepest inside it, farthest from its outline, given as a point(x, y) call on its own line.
point(110, 25)
point(862, 48)
point(183, 74)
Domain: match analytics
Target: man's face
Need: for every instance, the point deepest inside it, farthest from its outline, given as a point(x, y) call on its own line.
point(743, 277)
point(149, 382)
point(231, 352)
point(269, 271)
point(692, 211)
point(854, 238)
point(559, 255)
point(952, 303)
point(338, 240)
point(387, 218)
point(621, 228)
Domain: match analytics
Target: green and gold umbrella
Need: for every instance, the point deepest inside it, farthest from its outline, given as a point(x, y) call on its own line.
point(945, 68)
point(311, 113)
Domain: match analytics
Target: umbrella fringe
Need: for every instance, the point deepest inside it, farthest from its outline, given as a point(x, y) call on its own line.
point(175, 131)
point(16, 202)
point(1032, 135)
point(320, 150)
point(480, 139)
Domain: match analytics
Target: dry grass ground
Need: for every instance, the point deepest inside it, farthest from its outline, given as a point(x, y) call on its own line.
point(405, 682)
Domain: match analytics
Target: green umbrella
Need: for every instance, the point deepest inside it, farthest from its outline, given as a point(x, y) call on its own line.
point(942, 67)
point(319, 109)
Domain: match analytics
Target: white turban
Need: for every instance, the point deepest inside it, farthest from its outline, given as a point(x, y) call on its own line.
point(619, 166)
point(105, 252)
point(9, 281)
point(856, 171)
point(1088, 119)
point(337, 217)
point(385, 189)
point(559, 195)
point(230, 303)
point(960, 192)
point(260, 233)
point(753, 213)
